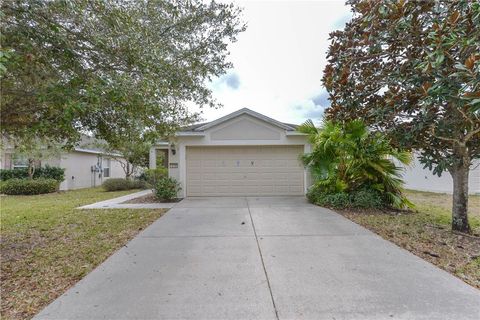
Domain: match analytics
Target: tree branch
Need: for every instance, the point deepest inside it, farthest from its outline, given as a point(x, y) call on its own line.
point(465, 116)
point(471, 134)
point(444, 138)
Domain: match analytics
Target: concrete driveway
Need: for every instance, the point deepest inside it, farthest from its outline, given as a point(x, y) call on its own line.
point(263, 258)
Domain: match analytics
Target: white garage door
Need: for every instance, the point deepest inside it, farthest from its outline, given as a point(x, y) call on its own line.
point(244, 171)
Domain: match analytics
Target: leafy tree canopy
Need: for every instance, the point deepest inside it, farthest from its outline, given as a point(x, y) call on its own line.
point(107, 66)
point(412, 70)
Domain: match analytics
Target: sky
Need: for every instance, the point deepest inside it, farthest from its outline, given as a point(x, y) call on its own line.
point(278, 61)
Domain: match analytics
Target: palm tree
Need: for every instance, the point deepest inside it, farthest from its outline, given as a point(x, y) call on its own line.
point(348, 157)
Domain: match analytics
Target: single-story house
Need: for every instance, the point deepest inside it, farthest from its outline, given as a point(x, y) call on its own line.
point(242, 154)
point(87, 165)
point(246, 153)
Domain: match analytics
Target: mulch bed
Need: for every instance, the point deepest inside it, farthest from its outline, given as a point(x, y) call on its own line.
point(150, 198)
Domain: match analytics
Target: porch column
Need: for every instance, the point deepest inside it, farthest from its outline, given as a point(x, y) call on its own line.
point(152, 159)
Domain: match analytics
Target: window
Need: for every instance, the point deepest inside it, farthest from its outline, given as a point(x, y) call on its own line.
point(106, 168)
point(19, 162)
point(162, 158)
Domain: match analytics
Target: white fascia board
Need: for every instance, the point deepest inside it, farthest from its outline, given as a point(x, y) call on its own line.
point(295, 133)
point(189, 134)
point(97, 152)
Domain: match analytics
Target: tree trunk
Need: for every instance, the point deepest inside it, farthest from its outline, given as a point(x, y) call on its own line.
point(127, 171)
point(459, 174)
point(31, 168)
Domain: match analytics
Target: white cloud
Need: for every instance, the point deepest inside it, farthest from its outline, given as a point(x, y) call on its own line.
point(279, 60)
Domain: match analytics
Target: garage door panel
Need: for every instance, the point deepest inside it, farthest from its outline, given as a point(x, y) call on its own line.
point(246, 170)
point(296, 189)
point(281, 189)
point(266, 190)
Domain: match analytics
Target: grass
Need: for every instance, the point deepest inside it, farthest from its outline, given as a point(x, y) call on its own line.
point(439, 206)
point(47, 245)
point(427, 233)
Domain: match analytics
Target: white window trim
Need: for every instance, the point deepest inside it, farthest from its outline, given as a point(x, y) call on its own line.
point(19, 166)
point(106, 164)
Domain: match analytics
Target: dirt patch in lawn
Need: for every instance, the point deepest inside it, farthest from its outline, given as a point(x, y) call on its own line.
point(418, 233)
point(151, 198)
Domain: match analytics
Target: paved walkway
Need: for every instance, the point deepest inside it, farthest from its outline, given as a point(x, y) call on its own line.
point(117, 203)
point(263, 258)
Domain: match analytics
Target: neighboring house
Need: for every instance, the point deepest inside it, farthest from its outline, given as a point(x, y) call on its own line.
point(85, 166)
point(248, 154)
point(242, 154)
point(417, 178)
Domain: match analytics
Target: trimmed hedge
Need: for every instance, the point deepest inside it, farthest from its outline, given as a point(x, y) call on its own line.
point(167, 188)
point(116, 184)
point(29, 187)
point(46, 172)
point(7, 174)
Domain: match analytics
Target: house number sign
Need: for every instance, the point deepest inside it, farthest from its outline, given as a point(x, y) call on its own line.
point(173, 165)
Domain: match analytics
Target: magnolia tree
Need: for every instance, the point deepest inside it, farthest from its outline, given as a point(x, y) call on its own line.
point(98, 65)
point(412, 70)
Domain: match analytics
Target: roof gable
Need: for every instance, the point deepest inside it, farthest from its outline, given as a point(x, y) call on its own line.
point(245, 111)
point(245, 127)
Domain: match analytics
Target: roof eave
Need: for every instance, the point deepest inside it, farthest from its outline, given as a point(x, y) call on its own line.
point(295, 133)
point(97, 152)
point(190, 134)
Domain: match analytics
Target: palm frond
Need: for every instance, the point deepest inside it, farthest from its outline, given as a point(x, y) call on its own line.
point(308, 127)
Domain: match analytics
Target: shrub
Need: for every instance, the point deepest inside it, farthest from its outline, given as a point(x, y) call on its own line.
point(139, 184)
point(313, 193)
point(116, 184)
point(29, 187)
point(151, 176)
point(46, 172)
point(338, 200)
point(167, 188)
point(7, 174)
point(364, 198)
point(367, 198)
point(49, 172)
point(348, 157)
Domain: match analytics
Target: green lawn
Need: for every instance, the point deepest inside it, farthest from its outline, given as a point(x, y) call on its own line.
point(439, 206)
point(426, 232)
point(47, 245)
